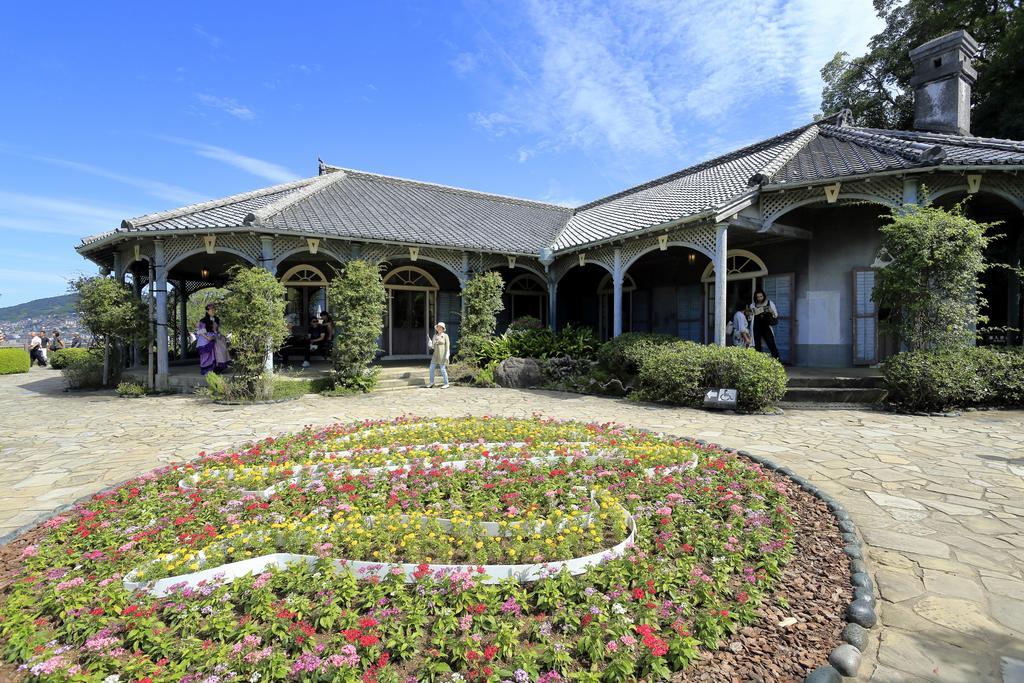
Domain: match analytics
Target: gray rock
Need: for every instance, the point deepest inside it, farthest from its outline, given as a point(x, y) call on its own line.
point(824, 674)
point(852, 551)
point(851, 539)
point(856, 635)
point(518, 373)
point(847, 527)
point(846, 660)
point(841, 515)
point(865, 594)
point(861, 613)
point(858, 567)
point(860, 579)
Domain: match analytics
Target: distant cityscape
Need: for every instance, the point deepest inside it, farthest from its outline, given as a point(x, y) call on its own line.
point(17, 323)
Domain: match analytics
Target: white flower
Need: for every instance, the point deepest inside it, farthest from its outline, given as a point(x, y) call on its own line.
point(618, 609)
point(112, 678)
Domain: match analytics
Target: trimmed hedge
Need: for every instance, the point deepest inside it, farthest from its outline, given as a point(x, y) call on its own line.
point(932, 381)
point(622, 355)
point(85, 370)
point(14, 361)
point(681, 373)
point(59, 358)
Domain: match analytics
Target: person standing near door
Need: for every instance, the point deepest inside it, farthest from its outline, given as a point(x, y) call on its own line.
point(740, 328)
point(441, 349)
point(766, 316)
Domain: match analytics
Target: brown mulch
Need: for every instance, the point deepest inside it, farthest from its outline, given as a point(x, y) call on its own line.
point(815, 586)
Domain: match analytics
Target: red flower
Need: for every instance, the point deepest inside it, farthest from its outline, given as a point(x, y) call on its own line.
point(742, 598)
point(368, 640)
point(367, 622)
point(492, 650)
point(351, 634)
point(638, 593)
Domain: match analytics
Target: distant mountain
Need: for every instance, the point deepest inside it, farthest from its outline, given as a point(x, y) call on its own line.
point(40, 308)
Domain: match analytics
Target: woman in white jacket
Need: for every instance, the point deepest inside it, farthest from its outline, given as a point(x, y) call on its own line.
point(764, 315)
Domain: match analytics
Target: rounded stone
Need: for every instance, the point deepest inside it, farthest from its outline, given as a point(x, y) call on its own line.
point(851, 539)
point(841, 515)
point(861, 613)
point(824, 674)
point(860, 579)
point(847, 527)
point(835, 505)
point(858, 567)
point(852, 551)
point(865, 594)
point(856, 635)
point(845, 659)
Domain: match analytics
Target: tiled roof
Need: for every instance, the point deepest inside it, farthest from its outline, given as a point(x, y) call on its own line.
point(374, 207)
point(226, 212)
point(841, 151)
point(691, 191)
point(367, 206)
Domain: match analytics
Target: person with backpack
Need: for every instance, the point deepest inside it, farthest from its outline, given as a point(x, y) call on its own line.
point(766, 316)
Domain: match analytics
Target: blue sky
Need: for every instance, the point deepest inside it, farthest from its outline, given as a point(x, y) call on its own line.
point(112, 110)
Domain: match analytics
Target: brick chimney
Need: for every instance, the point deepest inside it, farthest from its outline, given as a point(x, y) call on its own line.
point(943, 76)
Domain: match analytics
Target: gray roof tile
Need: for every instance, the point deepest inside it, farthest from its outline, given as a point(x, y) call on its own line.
point(367, 206)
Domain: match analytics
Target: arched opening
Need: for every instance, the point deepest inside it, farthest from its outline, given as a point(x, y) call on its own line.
point(744, 272)
point(526, 295)
point(419, 295)
point(668, 297)
point(578, 301)
point(305, 277)
point(1001, 288)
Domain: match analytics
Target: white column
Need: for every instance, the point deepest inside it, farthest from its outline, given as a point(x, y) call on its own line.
point(160, 290)
point(552, 301)
point(118, 275)
point(267, 263)
point(617, 276)
point(183, 313)
point(463, 279)
point(721, 314)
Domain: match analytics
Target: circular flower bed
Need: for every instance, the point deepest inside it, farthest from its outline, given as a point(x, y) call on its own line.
point(457, 549)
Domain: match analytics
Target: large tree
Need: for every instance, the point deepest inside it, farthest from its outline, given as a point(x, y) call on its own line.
point(876, 85)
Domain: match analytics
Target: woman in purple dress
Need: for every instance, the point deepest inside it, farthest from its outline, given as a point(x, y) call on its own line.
point(205, 342)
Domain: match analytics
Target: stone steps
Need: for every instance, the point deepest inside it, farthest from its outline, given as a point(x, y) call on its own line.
point(834, 394)
point(837, 382)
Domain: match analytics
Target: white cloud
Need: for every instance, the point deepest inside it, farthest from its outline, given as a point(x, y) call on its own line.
point(257, 167)
point(464, 63)
point(156, 188)
point(632, 75)
point(211, 40)
point(44, 214)
point(228, 105)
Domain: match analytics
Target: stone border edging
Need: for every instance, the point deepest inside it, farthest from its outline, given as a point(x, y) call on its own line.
point(844, 660)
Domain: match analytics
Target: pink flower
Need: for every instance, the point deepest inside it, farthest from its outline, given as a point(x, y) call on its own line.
point(30, 551)
point(628, 641)
point(612, 646)
point(664, 512)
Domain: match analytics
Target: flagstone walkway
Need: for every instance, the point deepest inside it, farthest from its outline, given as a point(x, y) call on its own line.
point(940, 501)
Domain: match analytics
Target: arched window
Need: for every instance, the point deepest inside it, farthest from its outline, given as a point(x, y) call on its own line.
point(410, 277)
point(739, 265)
point(526, 295)
point(304, 275)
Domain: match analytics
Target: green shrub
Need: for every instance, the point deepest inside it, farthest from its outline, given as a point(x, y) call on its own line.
point(935, 380)
point(85, 371)
point(59, 358)
point(682, 372)
point(13, 361)
point(216, 386)
point(673, 373)
point(759, 379)
point(131, 389)
point(579, 343)
point(359, 301)
point(481, 296)
point(1005, 371)
point(253, 311)
point(941, 380)
point(526, 322)
point(621, 355)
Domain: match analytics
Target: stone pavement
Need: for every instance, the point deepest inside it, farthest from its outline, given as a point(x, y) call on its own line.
point(939, 501)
